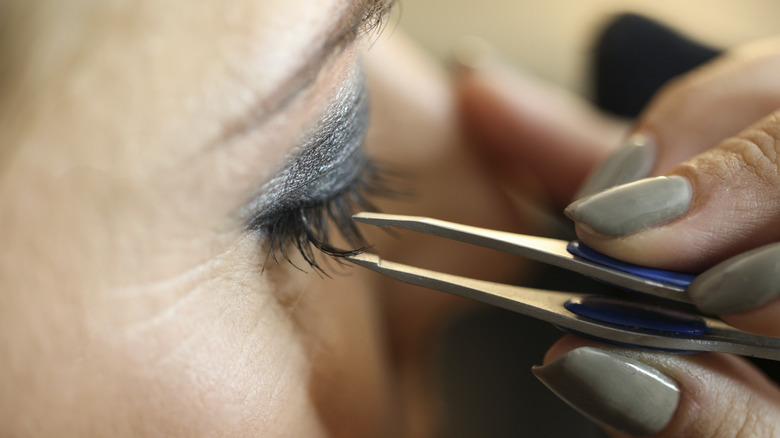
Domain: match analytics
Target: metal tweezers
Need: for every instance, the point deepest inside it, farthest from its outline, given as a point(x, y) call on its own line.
point(606, 318)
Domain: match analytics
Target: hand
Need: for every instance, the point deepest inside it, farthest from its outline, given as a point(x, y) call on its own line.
point(720, 202)
point(714, 134)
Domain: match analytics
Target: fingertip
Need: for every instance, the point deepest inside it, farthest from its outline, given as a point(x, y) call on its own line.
point(761, 321)
point(632, 161)
point(674, 222)
point(566, 343)
point(633, 207)
point(716, 393)
point(612, 389)
point(744, 289)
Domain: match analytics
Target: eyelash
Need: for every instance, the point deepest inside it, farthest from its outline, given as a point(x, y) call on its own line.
point(307, 228)
point(376, 16)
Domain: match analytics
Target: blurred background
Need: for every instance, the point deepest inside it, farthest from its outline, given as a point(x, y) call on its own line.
point(484, 363)
point(553, 38)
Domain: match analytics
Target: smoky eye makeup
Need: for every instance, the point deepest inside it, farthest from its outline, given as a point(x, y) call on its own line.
point(326, 180)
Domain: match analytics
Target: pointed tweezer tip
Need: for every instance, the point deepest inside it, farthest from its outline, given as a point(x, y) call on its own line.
point(364, 216)
point(382, 219)
point(365, 259)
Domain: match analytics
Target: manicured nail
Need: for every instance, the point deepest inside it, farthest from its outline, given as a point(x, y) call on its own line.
point(633, 161)
point(616, 391)
point(740, 283)
point(634, 206)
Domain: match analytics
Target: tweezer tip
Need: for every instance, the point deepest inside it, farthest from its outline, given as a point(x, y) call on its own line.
point(386, 220)
point(370, 218)
point(365, 259)
point(363, 215)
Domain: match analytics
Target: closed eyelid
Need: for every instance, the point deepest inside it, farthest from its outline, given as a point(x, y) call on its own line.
point(327, 179)
point(329, 159)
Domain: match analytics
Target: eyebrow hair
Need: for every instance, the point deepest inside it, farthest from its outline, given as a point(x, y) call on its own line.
point(360, 17)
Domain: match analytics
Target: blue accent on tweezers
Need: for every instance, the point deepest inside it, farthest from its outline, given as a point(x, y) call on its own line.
point(679, 279)
point(637, 316)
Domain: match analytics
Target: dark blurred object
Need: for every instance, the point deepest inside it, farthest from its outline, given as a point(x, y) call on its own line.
point(485, 363)
point(634, 56)
point(489, 386)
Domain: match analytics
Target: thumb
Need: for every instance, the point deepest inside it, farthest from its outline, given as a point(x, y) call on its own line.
point(640, 393)
point(718, 204)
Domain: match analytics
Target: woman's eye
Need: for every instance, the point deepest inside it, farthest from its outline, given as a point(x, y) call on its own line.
point(324, 184)
point(309, 227)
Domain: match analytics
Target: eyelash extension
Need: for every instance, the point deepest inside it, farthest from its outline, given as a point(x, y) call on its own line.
point(376, 15)
point(307, 228)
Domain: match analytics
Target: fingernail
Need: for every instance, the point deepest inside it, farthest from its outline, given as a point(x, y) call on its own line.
point(633, 161)
point(634, 206)
point(740, 283)
point(616, 391)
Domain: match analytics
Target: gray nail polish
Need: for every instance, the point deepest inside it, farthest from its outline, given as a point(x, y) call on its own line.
point(634, 206)
point(616, 391)
point(633, 161)
point(740, 283)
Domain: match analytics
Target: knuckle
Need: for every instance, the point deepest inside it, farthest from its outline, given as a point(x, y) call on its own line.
point(753, 423)
point(757, 151)
point(750, 420)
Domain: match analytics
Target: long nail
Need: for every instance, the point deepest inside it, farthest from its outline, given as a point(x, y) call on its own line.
point(616, 391)
point(634, 206)
point(633, 161)
point(740, 283)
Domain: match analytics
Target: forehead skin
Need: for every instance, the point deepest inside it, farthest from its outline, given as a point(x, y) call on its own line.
point(207, 60)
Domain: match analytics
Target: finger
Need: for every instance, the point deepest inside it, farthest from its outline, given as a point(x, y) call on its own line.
point(720, 203)
point(694, 113)
point(523, 125)
point(641, 393)
point(743, 290)
point(715, 206)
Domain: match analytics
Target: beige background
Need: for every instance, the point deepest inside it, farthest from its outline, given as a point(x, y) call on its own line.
point(551, 37)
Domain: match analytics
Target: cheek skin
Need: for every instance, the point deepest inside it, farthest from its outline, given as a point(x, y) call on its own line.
point(212, 353)
point(219, 347)
point(351, 384)
point(286, 353)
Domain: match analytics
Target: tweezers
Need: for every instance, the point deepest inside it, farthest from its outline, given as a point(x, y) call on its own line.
point(611, 319)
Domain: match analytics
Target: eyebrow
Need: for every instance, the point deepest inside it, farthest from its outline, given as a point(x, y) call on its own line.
point(361, 16)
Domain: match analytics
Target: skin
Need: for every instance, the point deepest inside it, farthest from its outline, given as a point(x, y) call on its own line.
point(132, 300)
